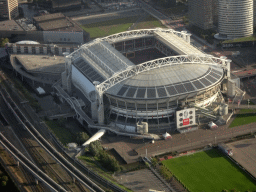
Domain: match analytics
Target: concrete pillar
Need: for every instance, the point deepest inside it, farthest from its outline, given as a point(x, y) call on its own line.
point(100, 109)
point(60, 50)
point(183, 35)
point(21, 49)
point(188, 38)
point(53, 49)
point(228, 61)
point(231, 88)
point(37, 50)
point(18, 163)
point(36, 181)
point(29, 49)
point(94, 110)
point(14, 49)
point(45, 50)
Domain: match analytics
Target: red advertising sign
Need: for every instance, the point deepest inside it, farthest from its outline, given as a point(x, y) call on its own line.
point(186, 121)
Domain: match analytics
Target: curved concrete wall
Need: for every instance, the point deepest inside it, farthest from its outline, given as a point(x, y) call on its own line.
point(83, 84)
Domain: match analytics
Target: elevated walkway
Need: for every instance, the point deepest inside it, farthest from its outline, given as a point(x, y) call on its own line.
point(66, 115)
point(238, 96)
point(73, 104)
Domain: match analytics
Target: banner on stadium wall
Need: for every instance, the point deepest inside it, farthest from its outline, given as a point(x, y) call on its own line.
point(185, 118)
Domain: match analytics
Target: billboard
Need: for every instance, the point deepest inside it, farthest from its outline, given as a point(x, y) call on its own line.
point(185, 118)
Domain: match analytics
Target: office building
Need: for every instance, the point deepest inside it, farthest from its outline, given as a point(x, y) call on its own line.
point(235, 18)
point(201, 13)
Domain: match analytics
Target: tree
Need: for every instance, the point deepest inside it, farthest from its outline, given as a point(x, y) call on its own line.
point(3, 183)
point(3, 42)
point(5, 178)
point(95, 148)
point(108, 161)
point(154, 162)
point(81, 137)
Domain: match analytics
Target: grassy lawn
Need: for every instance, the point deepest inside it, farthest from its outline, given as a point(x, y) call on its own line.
point(245, 116)
point(110, 27)
point(209, 171)
point(149, 22)
point(243, 39)
point(62, 133)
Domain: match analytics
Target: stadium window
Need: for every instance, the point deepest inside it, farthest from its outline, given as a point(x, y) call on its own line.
point(64, 39)
point(60, 39)
point(68, 39)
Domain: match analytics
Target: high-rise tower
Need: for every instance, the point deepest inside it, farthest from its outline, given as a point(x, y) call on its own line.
point(8, 9)
point(235, 18)
point(201, 13)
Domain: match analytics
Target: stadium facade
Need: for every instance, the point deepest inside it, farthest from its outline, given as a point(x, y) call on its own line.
point(140, 75)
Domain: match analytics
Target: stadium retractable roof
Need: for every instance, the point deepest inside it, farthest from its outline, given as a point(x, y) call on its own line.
point(168, 81)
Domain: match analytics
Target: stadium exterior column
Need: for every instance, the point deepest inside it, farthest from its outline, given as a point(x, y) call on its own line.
point(228, 61)
point(168, 107)
point(157, 115)
point(136, 108)
point(188, 37)
point(126, 114)
point(117, 111)
point(147, 110)
point(100, 109)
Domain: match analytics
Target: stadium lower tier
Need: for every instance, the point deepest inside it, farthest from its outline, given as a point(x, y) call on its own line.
point(158, 109)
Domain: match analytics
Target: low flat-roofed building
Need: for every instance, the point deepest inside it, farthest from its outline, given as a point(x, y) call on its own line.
point(38, 68)
point(58, 5)
point(60, 29)
point(10, 25)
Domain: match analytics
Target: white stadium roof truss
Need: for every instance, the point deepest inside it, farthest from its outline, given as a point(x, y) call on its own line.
point(137, 69)
point(158, 63)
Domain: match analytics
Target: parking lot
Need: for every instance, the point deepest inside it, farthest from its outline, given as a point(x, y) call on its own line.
point(141, 181)
point(244, 152)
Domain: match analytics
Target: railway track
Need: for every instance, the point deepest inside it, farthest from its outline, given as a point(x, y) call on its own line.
point(37, 173)
point(43, 163)
point(43, 129)
point(44, 144)
point(36, 153)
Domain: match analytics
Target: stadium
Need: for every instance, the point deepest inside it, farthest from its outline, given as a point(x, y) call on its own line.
point(140, 75)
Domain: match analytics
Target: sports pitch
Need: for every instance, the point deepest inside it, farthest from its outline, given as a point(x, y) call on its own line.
point(209, 171)
point(105, 28)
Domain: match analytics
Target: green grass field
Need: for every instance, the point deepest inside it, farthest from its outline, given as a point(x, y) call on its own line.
point(243, 39)
point(105, 28)
point(245, 116)
point(209, 171)
point(110, 27)
point(148, 23)
point(63, 134)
